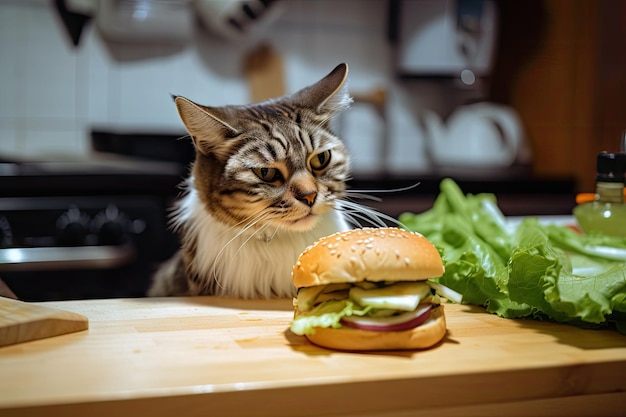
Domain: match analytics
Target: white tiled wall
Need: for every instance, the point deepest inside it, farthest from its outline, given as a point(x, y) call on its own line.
point(52, 93)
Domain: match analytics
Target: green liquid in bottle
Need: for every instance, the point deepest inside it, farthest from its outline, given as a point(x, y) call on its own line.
point(607, 214)
point(602, 217)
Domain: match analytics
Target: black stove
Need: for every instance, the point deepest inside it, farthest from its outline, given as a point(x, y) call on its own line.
point(85, 228)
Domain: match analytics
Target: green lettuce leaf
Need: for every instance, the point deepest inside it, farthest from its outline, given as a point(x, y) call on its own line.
point(542, 274)
point(591, 245)
point(327, 314)
point(546, 272)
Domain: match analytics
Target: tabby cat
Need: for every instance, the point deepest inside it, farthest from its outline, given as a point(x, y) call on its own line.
point(266, 182)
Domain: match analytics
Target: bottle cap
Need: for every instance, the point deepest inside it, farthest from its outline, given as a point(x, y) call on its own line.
point(611, 167)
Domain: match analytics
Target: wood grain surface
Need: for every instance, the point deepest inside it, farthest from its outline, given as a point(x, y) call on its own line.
point(223, 357)
point(23, 322)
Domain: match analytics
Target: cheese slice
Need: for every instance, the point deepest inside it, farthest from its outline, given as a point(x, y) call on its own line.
point(403, 296)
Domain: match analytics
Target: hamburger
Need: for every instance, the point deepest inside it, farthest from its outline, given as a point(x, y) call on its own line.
point(370, 289)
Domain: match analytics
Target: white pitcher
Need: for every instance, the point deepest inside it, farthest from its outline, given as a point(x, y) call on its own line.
point(476, 135)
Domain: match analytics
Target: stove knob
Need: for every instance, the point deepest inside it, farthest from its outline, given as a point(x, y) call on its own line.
point(72, 227)
point(6, 234)
point(111, 226)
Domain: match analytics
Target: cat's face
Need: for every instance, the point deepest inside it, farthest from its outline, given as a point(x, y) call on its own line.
point(272, 165)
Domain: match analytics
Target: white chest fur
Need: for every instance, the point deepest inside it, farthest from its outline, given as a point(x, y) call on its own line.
point(242, 264)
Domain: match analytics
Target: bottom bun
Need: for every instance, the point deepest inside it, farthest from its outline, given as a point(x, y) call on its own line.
point(421, 337)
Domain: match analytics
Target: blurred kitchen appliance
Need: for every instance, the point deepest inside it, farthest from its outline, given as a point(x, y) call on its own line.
point(481, 135)
point(451, 38)
point(234, 19)
point(142, 21)
point(92, 228)
point(454, 41)
point(166, 22)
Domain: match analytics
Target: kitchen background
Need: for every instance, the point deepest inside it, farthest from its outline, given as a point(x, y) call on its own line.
point(55, 93)
point(559, 64)
point(514, 98)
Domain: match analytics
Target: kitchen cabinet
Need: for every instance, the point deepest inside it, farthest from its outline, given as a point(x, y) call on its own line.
point(561, 64)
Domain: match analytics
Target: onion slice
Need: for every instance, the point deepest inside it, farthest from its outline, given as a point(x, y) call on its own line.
point(446, 292)
point(403, 321)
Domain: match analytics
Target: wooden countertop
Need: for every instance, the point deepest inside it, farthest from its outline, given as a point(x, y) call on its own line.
point(206, 356)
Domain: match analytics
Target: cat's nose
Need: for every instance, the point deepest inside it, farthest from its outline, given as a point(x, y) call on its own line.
point(308, 198)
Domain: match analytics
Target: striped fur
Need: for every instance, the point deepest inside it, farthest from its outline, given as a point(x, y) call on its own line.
point(265, 184)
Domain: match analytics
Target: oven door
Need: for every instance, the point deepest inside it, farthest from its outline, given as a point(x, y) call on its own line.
point(81, 247)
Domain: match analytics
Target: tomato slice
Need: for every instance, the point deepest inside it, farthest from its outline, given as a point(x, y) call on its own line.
point(400, 322)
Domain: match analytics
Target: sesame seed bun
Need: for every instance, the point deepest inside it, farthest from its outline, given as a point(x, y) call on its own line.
point(368, 254)
point(372, 254)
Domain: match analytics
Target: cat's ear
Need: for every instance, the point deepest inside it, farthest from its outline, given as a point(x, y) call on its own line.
point(329, 96)
point(206, 125)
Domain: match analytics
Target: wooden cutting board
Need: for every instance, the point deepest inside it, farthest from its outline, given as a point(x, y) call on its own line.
point(23, 322)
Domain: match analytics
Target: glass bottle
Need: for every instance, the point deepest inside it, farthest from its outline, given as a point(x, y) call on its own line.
point(607, 213)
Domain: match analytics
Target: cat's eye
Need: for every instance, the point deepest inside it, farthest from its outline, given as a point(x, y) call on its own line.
point(267, 174)
point(320, 161)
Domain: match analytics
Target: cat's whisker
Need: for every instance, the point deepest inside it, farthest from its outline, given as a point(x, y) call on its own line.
point(248, 223)
point(366, 194)
point(244, 224)
point(357, 211)
point(249, 238)
point(355, 216)
point(390, 190)
point(253, 221)
point(350, 219)
point(366, 213)
point(184, 137)
point(359, 194)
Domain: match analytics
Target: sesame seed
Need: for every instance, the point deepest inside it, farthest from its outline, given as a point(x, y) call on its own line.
point(369, 246)
point(407, 261)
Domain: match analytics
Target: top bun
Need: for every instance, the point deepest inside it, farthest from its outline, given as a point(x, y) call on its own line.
point(368, 254)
